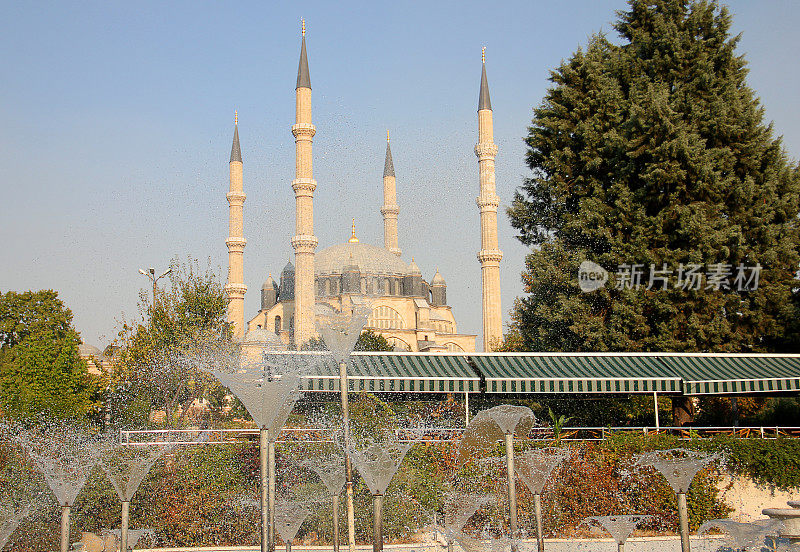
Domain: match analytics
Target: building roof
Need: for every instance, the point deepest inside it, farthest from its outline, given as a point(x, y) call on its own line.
point(236, 150)
point(484, 102)
point(413, 269)
point(370, 260)
point(388, 166)
point(438, 279)
point(303, 78)
point(260, 336)
point(85, 350)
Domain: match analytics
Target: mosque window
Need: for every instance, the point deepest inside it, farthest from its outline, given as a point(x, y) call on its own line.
point(398, 344)
point(454, 347)
point(385, 318)
point(277, 324)
point(321, 287)
point(443, 326)
point(387, 288)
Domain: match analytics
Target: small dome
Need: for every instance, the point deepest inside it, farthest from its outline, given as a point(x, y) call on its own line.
point(289, 268)
point(413, 269)
point(438, 280)
point(265, 338)
point(269, 283)
point(84, 350)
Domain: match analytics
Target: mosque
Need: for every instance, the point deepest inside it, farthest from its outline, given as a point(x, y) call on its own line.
point(409, 311)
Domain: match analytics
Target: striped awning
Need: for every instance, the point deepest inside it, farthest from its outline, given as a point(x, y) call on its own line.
point(704, 374)
point(401, 373)
point(575, 373)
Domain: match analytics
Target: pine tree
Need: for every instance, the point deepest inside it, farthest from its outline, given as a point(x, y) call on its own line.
point(655, 152)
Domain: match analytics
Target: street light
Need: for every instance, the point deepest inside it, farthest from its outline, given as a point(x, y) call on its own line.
point(151, 273)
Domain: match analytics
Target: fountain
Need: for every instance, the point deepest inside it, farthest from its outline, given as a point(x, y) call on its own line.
point(340, 331)
point(377, 460)
point(791, 520)
point(535, 467)
point(458, 508)
point(65, 455)
point(679, 467)
point(11, 515)
point(744, 536)
point(268, 391)
point(331, 471)
point(126, 467)
point(134, 536)
point(619, 527)
point(494, 424)
point(289, 516)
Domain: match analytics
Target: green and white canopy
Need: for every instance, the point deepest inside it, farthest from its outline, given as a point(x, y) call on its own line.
point(574, 373)
point(705, 373)
point(570, 373)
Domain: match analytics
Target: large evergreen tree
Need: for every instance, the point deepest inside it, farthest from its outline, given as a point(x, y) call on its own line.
point(654, 151)
point(41, 371)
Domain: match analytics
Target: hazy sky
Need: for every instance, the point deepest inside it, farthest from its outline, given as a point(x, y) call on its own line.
point(116, 121)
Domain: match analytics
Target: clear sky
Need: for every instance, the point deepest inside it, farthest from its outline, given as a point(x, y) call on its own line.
point(116, 121)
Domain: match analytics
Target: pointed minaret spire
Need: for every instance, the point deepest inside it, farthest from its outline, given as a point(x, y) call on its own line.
point(489, 255)
point(304, 241)
point(388, 165)
point(236, 150)
point(303, 78)
point(235, 285)
point(389, 210)
point(484, 102)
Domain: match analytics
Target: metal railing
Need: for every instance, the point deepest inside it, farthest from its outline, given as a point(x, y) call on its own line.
point(178, 437)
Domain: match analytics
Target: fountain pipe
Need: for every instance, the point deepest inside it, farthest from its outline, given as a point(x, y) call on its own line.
point(449, 545)
point(683, 519)
point(512, 489)
point(288, 545)
point(537, 511)
point(377, 527)
point(348, 465)
point(336, 523)
point(273, 535)
point(123, 531)
point(263, 447)
point(65, 529)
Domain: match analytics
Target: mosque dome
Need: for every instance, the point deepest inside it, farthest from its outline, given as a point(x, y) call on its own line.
point(85, 350)
point(288, 269)
point(264, 338)
point(413, 269)
point(369, 259)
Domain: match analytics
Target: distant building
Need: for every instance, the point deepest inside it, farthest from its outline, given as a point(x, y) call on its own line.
point(411, 312)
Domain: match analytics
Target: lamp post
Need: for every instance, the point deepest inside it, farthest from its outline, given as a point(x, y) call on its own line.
point(151, 273)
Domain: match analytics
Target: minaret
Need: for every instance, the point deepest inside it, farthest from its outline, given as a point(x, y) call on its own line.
point(304, 242)
point(490, 254)
point(390, 208)
point(235, 286)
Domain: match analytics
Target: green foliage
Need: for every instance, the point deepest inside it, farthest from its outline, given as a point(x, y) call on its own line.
point(654, 151)
point(151, 372)
point(367, 341)
point(41, 371)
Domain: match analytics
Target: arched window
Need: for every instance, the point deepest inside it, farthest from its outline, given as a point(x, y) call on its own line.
point(278, 324)
point(455, 347)
point(385, 318)
point(398, 344)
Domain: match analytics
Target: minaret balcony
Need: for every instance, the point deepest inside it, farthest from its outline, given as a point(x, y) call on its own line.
point(235, 243)
point(235, 290)
point(304, 186)
point(304, 243)
point(236, 198)
point(305, 130)
point(488, 201)
point(486, 151)
point(490, 256)
point(390, 210)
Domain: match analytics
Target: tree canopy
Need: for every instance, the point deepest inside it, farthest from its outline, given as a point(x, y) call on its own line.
point(651, 159)
point(154, 370)
point(41, 371)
